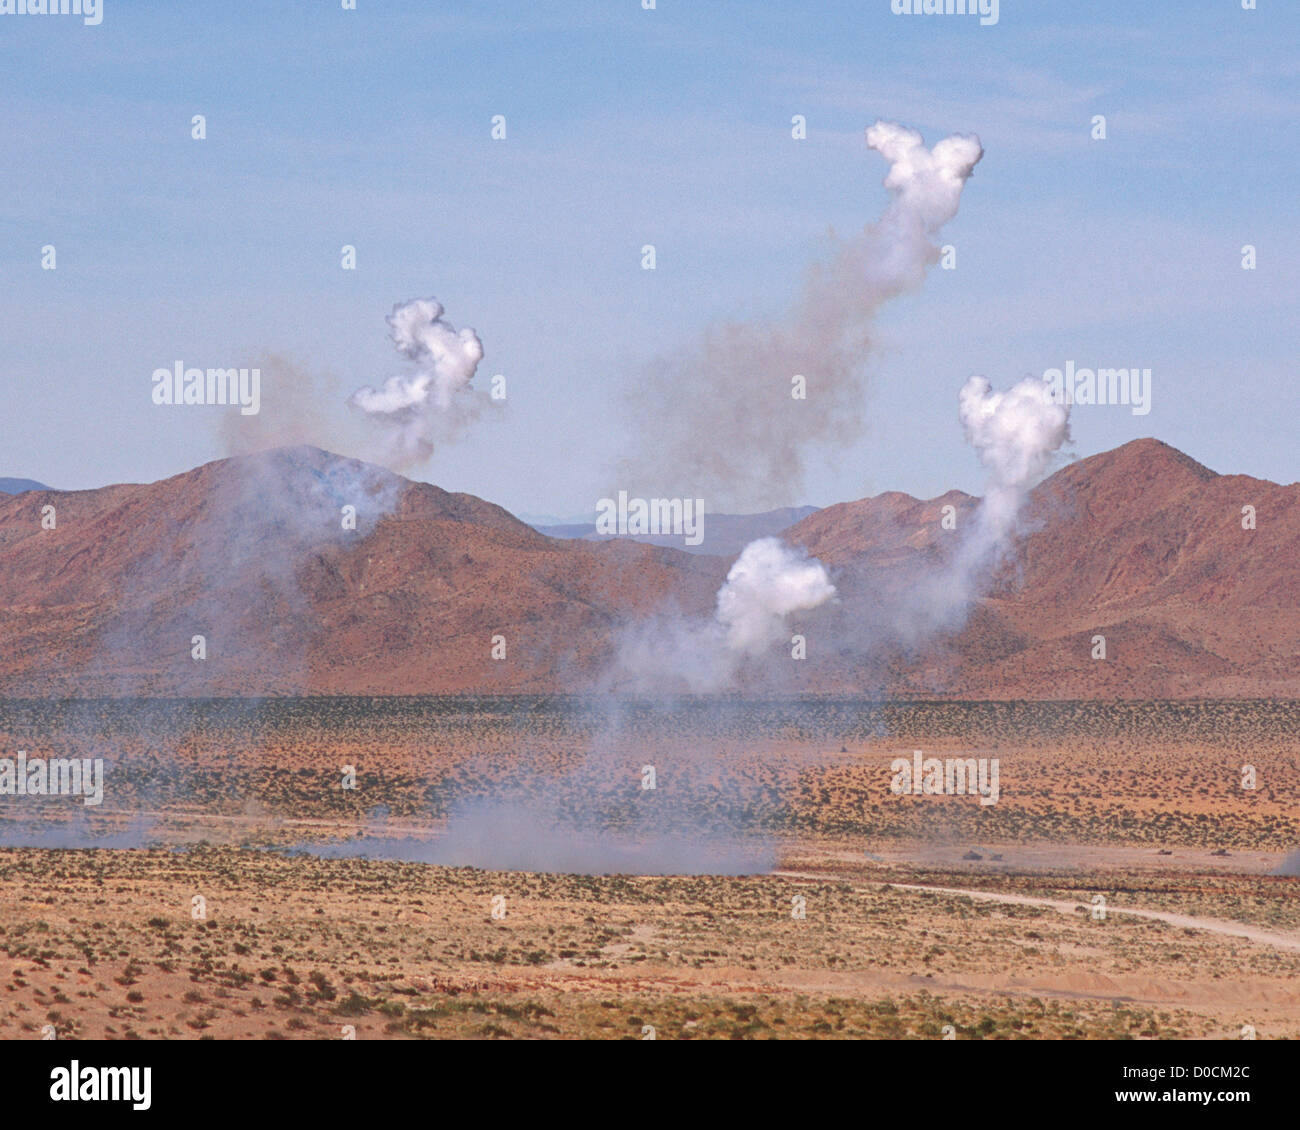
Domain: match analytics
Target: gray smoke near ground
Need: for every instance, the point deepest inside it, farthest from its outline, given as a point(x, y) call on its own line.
point(705, 811)
point(716, 418)
point(512, 836)
point(1290, 865)
point(75, 831)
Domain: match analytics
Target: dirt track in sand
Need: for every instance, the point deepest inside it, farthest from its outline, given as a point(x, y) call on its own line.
point(1067, 906)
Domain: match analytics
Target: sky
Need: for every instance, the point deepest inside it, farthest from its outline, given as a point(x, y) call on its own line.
point(625, 127)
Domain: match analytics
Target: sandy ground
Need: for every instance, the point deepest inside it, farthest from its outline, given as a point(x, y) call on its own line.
point(104, 943)
point(887, 916)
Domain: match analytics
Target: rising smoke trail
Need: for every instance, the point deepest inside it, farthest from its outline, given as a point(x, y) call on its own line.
point(725, 423)
point(729, 428)
point(1015, 433)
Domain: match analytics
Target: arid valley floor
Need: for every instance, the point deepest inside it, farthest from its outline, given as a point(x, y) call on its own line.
point(1124, 885)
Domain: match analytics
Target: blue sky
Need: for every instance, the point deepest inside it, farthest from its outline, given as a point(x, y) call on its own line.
point(372, 127)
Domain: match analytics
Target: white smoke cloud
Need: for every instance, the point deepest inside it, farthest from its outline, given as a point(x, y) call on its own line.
point(768, 583)
point(726, 426)
point(926, 183)
point(1015, 433)
point(433, 400)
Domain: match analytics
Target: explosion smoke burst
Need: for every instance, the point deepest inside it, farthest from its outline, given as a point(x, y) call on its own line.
point(767, 584)
point(1015, 433)
point(434, 400)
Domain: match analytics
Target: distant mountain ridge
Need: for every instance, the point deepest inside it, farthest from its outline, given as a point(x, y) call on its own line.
point(723, 534)
point(298, 571)
point(17, 486)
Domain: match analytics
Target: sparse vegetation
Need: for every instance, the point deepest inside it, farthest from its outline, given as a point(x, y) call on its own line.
point(101, 942)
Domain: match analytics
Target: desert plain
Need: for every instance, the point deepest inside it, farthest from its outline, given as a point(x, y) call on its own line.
point(496, 867)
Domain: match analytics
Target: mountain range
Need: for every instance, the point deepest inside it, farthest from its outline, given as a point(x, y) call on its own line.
point(300, 571)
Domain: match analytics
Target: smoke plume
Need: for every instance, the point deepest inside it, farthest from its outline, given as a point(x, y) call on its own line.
point(434, 399)
point(396, 425)
point(1015, 433)
point(769, 582)
point(727, 425)
point(500, 835)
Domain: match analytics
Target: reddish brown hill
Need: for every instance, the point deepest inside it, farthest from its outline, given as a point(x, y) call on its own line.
point(1146, 547)
point(1141, 545)
point(891, 529)
point(252, 554)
